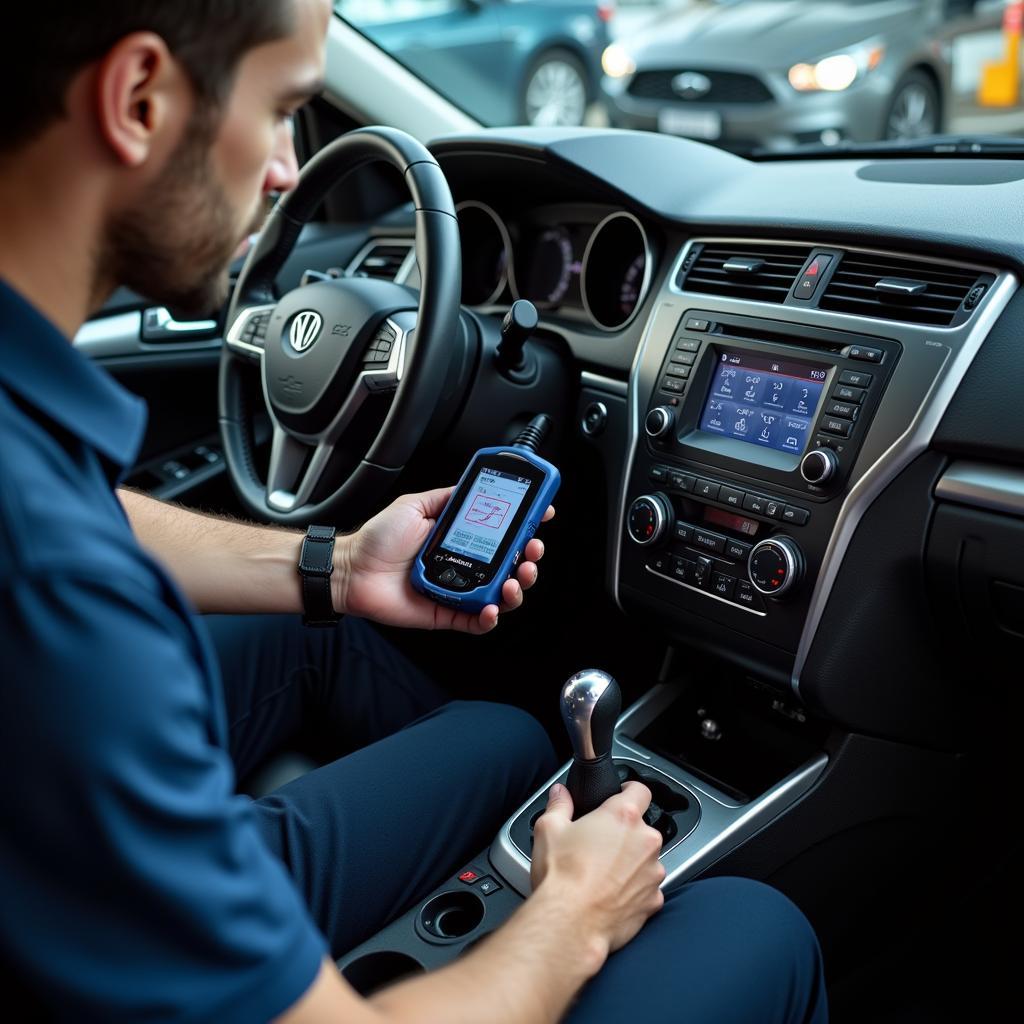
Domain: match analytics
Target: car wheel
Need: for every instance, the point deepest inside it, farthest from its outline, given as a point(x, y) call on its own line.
point(914, 110)
point(555, 90)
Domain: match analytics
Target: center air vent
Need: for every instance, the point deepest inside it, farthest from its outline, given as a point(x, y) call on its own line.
point(915, 291)
point(761, 272)
point(385, 260)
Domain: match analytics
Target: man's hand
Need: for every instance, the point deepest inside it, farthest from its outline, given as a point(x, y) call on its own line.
point(604, 866)
point(372, 569)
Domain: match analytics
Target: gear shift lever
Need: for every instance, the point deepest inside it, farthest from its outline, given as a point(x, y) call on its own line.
point(591, 702)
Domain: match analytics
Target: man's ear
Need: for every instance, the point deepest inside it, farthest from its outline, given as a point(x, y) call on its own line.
point(142, 95)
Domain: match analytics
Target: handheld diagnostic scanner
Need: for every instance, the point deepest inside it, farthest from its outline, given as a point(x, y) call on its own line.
point(480, 536)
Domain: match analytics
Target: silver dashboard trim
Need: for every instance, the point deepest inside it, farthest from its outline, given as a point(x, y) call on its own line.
point(724, 823)
point(904, 449)
point(506, 241)
point(982, 485)
point(599, 383)
point(645, 284)
point(704, 593)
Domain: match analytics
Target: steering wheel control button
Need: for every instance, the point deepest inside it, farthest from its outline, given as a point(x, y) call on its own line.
point(869, 355)
point(659, 422)
point(648, 518)
point(380, 345)
point(795, 515)
point(812, 276)
point(694, 323)
point(775, 566)
point(819, 466)
point(845, 393)
point(855, 378)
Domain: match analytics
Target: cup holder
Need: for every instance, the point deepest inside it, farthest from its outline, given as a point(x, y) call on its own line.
point(367, 974)
point(450, 916)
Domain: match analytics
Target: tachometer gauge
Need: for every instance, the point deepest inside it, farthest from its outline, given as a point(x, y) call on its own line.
point(486, 250)
point(632, 282)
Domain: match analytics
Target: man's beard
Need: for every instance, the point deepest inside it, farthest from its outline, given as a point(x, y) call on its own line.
point(175, 244)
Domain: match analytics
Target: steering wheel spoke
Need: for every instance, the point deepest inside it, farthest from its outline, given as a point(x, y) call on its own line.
point(295, 469)
point(248, 334)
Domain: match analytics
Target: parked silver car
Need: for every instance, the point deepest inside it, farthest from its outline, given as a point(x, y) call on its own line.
point(748, 74)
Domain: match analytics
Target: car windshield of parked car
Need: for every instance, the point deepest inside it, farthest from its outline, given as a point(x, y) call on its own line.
point(752, 76)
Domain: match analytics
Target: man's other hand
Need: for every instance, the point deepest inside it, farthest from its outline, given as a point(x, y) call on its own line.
point(372, 568)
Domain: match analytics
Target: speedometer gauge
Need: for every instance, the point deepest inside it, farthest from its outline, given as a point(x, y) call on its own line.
point(549, 266)
point(632, 283)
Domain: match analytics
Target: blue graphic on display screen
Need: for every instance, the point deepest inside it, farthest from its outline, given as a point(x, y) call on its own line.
point(764, 401)
point(486, 514)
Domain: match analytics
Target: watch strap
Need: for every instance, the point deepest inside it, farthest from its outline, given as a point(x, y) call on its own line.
point(316, 563)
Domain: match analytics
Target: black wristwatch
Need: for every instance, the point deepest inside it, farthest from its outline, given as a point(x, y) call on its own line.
point(316, 563)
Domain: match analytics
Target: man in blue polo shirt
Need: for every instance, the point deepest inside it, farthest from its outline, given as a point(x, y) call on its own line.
point(136, 884)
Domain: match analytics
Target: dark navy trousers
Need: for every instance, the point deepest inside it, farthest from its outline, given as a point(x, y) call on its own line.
point(415, 785)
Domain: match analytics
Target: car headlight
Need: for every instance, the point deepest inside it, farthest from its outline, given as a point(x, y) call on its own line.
point(616, 61)
point(837, 72)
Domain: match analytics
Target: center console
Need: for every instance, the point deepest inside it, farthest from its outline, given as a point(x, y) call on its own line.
point(750, 436)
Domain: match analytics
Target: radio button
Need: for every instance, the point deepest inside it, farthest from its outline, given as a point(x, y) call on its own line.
point(694, 323)
point(730, 496)
point(755, 503)
point(855, 378)
point(660, 563)
point(708, 541)
point(707, 489)
point(796, 516)
point(833, 425)
point(844, 409)
point(773, 509)
point(737, 550)
point(684, 532)
point(723, 585)
point(686, 358)
point(677, 371)
point(659, 474)
point(672, 385)
point(681, 567)
point(869, 355)
point(682, 481)
point(843, 393)
point(747, 595)
point(687, 345)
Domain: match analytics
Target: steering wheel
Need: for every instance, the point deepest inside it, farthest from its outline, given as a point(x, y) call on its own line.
point(325, 347)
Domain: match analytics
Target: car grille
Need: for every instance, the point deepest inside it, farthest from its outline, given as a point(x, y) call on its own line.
point(726, 87)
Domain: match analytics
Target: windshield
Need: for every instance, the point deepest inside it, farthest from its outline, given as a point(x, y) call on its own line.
point(751, 76)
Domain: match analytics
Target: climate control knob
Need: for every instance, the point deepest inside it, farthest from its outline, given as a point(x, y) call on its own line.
point(648, 518)
point(819, 465)
point(775, 565)
point(659, 421)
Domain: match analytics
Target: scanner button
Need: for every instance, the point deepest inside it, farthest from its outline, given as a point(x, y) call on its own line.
point(459, 582)
point(447, 576)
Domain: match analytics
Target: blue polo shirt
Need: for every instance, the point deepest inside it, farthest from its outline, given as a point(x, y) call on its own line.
point(133, 882)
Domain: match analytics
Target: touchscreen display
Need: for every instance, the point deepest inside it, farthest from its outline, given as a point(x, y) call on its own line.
point(764, 401)
point(485, 516)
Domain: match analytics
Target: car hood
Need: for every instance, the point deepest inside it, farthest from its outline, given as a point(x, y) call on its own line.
point(765, 33)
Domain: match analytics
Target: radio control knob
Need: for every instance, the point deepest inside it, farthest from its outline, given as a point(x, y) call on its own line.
point(648, 518)
point(659, 421)
point(819, 465)
point(775, 565)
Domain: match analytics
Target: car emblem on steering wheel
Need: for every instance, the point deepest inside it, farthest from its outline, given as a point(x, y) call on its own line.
point(305, 330)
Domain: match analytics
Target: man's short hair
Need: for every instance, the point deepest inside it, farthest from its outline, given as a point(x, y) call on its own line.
point(54, 41)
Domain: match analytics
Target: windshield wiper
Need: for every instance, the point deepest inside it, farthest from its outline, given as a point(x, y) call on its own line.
point(934, 145)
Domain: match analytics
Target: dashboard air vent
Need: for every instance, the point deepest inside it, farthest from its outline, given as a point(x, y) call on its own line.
point(383, 260)
point(893, 288)
point(761, 272)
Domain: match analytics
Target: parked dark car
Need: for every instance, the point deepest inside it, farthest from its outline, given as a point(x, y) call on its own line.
point(748, 74)
point(503, 61)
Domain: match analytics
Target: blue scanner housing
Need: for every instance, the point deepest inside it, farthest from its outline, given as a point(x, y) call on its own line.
point(482, 532)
